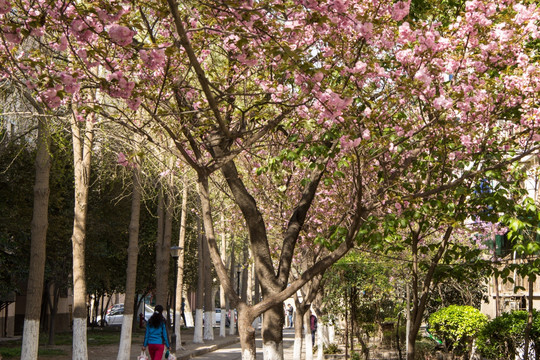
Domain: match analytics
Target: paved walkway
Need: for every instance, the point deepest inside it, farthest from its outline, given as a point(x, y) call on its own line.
point(233, 351)
point(221, 348)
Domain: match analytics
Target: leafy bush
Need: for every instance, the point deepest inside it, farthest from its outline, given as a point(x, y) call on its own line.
point(425, 349)
point(331, 349)
point(457, 326)
point(501, 338)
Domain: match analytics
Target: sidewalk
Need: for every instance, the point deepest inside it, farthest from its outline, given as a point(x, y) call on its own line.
point(110, 352)
point(191, 349)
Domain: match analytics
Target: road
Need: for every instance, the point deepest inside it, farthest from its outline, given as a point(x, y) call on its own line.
point(233, 352)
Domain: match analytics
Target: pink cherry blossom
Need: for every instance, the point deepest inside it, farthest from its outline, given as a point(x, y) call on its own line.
point(406, 35)
point(400, 10)
point(134, 104)
point(122, 159)
point(442, 103)
point(70, 84)
point(82, 31)
point(153, 59)
point(5, 7)
point(51, 98)
point(120, 87)
point(121, 35)
point(12, 35)
point(423, 75)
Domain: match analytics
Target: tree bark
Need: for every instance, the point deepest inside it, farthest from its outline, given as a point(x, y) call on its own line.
point(299, 312)
point(38, 230)
point(222, 297)
point(199, 298)
point(307, 335)
point(420, 297)
point(124, 350)
point(163, 245)
point(82, 155)
point(180, 274)
point(208, 298)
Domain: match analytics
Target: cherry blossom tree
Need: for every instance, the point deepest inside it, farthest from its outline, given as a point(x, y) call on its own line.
point(357, 96)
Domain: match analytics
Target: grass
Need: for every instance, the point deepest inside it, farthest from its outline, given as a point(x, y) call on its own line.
point(12, 350)
point(95, 337)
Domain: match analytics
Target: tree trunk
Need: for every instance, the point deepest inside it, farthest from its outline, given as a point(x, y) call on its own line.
point(421, 297)
point(298, 328)
point(222, 298)
point(163, 245)
point(234, 319)
point(199, 298)
point(272, 332)
point(247, 335)
point(82, 155)
point(208, 298)
point(53, 310)
point(38, 230)
point(180, 273)
point(245, 273)
point(124, 350)
point(307, 335)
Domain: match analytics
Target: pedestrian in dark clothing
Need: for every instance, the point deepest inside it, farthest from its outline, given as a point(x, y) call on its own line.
point(313, 327)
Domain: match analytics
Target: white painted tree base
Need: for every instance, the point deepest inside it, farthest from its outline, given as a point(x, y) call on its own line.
point(297, 350)
point(272, 351)
point(232, 327)
point(208, 325)
point(198, 333)
point(189, 319)
point(320, 342)
point(308, 345)
point(248, 355)
point(80, 351)
point(223, 322)
point(125, 338)
point(30, 345)
point(178, 332)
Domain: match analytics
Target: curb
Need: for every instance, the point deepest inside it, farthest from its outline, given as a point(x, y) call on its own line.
point(206, 349)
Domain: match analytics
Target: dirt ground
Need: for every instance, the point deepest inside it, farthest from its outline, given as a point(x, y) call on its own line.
point(110, 352)
point(101, 352)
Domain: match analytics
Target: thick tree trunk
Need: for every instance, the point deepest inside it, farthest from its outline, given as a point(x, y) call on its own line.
point(38, 230)
point(124, 350)
point(163, 245)
point(298, 329)
point(307, 336)
point(82, 155)
point(53, 310)
point(247, 335)
point(272, 332)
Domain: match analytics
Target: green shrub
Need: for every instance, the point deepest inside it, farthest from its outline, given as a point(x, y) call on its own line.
point(501, 338)
point(425, 349)
point(457, 326)
point(331, 349)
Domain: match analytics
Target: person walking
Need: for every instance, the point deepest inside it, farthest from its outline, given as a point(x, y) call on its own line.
point(156, 335)
point(290, 312)
point(313, 327)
